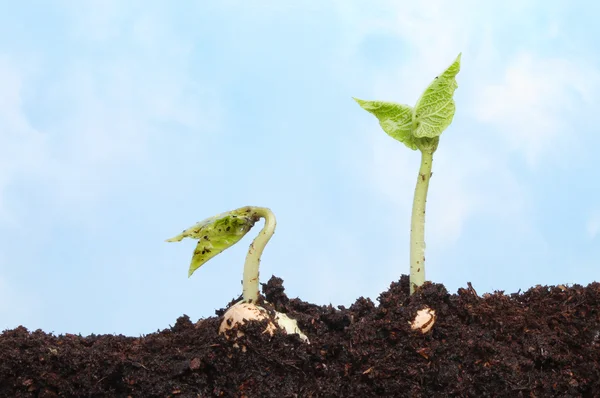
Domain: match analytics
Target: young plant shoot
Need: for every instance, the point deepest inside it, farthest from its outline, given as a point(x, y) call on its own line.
point(215, 234)
point(218, 233)
point(419, 128)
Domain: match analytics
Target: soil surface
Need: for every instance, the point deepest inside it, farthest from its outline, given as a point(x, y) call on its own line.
point(541, 343)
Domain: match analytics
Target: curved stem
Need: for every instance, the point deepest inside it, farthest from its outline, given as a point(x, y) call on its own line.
point(250, 283)
point(417, 223)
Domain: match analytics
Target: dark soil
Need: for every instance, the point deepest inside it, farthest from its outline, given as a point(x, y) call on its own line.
point(542, 343)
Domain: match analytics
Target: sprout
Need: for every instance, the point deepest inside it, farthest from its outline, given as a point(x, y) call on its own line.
point(419, 128)
point(218, 233)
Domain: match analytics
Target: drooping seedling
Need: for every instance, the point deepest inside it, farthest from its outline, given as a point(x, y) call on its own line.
point(419, 128)
point(218, 233)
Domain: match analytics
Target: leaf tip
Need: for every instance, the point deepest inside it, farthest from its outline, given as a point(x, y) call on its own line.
point(457, 60)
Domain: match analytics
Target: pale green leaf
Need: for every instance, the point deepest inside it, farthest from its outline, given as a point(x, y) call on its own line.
point(395, 119)
point(435, 109)
point(215, 234)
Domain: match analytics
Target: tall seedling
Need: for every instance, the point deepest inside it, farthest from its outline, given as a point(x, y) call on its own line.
point(419, 128)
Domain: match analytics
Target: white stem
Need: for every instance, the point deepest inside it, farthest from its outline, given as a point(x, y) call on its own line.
point(250, 283)
point(417, 223)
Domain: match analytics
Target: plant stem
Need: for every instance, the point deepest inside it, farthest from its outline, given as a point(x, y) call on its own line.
point(250, 283)
point(417, 223)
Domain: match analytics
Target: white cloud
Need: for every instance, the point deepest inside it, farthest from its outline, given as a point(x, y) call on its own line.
point(453, 196)
point(103, 113)
point(532, 104)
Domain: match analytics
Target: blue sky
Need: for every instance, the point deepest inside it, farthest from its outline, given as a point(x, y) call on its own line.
point(122, 123)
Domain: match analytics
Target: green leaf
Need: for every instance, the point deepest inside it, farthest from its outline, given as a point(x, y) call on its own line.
point(216, 234)
point(435, 109)
point(395, 119)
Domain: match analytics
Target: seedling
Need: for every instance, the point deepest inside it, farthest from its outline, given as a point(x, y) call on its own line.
point(419, 128)
point(218, 233)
